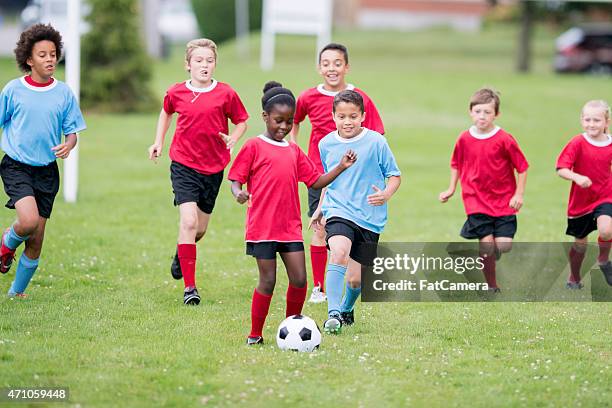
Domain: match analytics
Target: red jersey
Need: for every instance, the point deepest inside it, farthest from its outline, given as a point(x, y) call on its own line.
point(202, 114)
point(271, 170)
point(593, 160)
point(486, 165)
point(317, 103)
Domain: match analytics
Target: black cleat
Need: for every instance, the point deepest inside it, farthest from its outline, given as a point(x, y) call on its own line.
point(348, 318)
point(191, 297)
point(333, 324)
point(494, 289)
point(606, 269)
point(175, 268)
point(251, 341)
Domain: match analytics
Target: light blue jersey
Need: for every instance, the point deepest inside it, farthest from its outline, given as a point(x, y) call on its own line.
point(34, 119)
point(347, 196)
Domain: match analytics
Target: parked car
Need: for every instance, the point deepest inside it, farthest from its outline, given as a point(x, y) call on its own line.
point(585, 49)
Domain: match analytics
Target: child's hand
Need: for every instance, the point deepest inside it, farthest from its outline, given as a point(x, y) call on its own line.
point(315, 220)
point(62, 150)
point(349, 158)
point(229, 142)
point(155, 151)
point(378, 198)
point(445, 195)
point(583, 181)
point(516, 201)
point(243, 196)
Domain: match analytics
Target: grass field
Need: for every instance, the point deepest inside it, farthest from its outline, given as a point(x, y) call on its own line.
point(105, 318)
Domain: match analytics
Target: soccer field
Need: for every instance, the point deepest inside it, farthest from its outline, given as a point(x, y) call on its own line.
point(106, 319)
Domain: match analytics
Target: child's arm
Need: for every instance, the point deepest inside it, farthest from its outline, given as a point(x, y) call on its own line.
point(317, 215)
point(347, 161)
point(445, 195)
point(62, 151)
point(163, 123)
point(294, 132)
point(582, 181)
point(235, 135)
point(516, 201)
point(382, 196)
point(242, 196)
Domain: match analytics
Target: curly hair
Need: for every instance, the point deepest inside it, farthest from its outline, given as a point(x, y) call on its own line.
point(34, 34)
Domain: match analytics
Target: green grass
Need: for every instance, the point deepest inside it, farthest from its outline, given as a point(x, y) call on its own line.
point(105, 318)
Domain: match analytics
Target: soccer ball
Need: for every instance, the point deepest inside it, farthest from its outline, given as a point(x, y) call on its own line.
point(298, 333)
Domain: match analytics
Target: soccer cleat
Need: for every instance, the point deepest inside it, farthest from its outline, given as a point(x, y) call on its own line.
point(333, 325)
point(17, 295)
point(175, 268)
point(7, 255)
point(191, 297)
point(348, 318)
point(574, 285)
point(494, 290)
point(251, 341)
point(317, 296)
point(606, 269)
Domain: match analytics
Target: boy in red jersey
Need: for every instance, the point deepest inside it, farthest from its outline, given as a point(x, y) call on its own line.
point(272, 168)
point(485, 159)
point(586, 161)
point(200, 151)
point(317, 104)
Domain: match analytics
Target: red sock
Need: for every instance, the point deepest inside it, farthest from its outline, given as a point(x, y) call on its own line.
point(318, 260)
point(489, 270)
point(187, 258)
point(295, 299)
point(260, 306)
point(575, 260)
point(604, 250)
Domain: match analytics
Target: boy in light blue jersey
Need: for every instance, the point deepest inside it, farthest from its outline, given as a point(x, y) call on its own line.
point(354, 204)
point(35, 110)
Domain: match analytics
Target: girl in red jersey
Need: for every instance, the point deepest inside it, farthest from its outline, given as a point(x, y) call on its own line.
point(493, 174)
point(587, 161)
point(200, 151)
point(272, 168)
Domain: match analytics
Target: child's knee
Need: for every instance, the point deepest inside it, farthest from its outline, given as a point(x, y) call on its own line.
point(504, 247)
point(189, 223)
point(339, 256)
point(606, 234)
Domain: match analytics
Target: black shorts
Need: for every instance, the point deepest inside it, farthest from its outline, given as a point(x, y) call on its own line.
point(482, 225)
point(581, 227)
point(314, 196)
point(22, 180)
point(268, 250)
point(364, 241)
point(190, 186)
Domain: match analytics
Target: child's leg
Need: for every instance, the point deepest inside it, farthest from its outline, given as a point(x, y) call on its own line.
point(604, 228)
point(295, 263)
point(26, 224)
point(503, 244)
point(318, 257)
point(28, 262)
point(340, 248)
point(576, 256)
point(262, 295)
point(186, 248)
point(487, 252)
point(203, 220)
point(353, 286)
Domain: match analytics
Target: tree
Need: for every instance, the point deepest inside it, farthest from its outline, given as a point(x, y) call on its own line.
point(116, 70)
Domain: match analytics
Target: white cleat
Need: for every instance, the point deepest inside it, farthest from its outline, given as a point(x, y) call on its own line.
point(317, 296)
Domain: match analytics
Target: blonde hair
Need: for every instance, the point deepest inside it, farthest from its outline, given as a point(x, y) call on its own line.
point(199, 43)
point(598, 103)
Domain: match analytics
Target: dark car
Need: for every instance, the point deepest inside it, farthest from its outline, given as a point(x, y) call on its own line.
point(585, 49)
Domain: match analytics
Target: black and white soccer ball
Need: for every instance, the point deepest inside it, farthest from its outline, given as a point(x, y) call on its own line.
point(298, 333)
